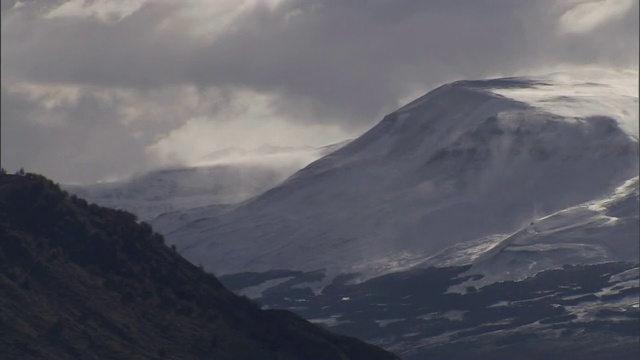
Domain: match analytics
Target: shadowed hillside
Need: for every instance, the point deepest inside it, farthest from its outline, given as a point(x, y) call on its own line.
point(78, 281)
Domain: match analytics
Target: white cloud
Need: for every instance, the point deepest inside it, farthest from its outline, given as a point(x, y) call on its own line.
point(588, 15)
point(104, 10)
point(201, 18)
point(248, 122)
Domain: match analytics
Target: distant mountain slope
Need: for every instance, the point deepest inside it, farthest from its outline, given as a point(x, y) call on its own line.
point(168, 190)
point(469, 161)
point(224, 177)
point(80, 281)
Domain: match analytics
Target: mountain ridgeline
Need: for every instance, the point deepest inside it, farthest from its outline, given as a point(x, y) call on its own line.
point(79, 281)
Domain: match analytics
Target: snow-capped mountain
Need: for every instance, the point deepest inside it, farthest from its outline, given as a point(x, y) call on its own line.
point(494, 219)
point(466, 166)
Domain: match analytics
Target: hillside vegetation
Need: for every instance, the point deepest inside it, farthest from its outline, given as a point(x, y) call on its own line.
point(79, 281)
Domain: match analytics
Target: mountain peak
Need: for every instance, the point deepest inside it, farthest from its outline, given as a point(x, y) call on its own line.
point(468, 160)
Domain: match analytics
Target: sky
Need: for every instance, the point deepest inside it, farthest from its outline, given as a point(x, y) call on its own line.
point(95, 90)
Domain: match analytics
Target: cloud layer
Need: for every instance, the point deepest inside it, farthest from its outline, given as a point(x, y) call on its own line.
point(92, 90)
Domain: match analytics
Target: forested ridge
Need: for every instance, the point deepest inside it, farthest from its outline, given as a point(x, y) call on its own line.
point(79, 281)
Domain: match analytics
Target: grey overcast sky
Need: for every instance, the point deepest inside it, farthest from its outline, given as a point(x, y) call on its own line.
point(101, 89)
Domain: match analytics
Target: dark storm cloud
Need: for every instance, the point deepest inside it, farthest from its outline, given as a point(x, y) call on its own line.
point(349, 59)
point(354, 58)
point(129, 53)
point(331, 62)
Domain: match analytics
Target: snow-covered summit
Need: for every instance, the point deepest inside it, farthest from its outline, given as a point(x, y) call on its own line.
point(585, 93)
point(466, 161)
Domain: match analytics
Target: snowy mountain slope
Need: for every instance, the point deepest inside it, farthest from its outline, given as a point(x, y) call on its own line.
point(224, 177)
point(171, 220)
point(167, 190)
point(167, 222)
point(465, 162)
point(555, 288)
point(598, 231)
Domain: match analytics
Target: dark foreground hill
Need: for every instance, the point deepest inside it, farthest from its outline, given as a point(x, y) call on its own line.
point(79, 281)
